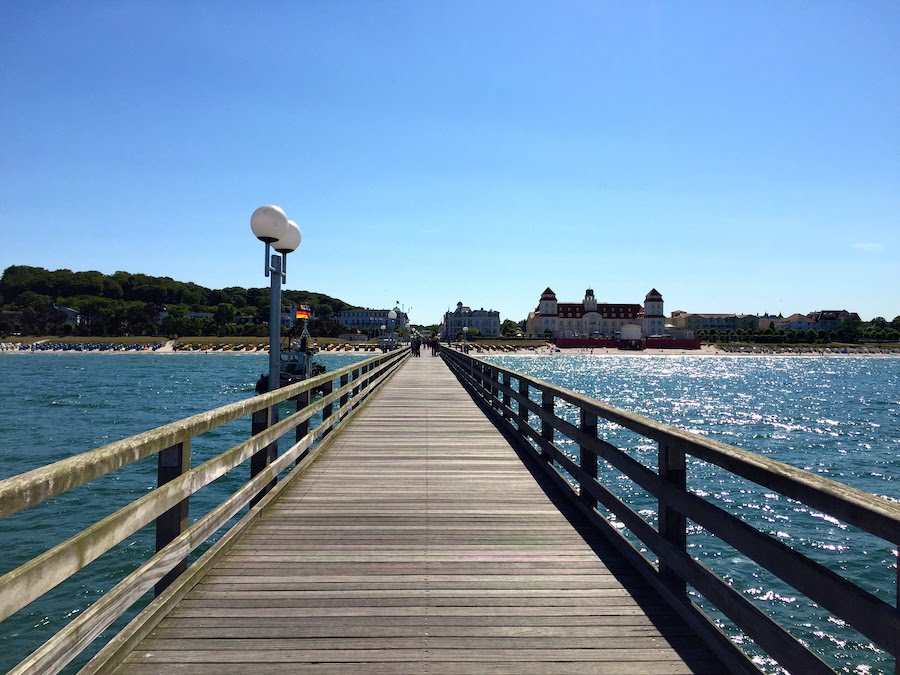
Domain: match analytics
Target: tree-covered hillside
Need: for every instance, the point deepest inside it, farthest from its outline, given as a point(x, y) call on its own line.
point(36, 301)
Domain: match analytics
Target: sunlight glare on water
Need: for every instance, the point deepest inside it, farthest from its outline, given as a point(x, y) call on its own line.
point(837, 417)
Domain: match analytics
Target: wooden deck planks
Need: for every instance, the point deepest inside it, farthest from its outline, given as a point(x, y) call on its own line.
point(419, 543)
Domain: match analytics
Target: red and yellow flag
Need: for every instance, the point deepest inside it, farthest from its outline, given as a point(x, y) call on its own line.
point(303, 312)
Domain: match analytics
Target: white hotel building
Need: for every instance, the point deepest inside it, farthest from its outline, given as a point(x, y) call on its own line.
point(485, 321)
point(590, 318)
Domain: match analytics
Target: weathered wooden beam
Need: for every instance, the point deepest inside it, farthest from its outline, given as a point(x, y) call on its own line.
point(672, 524)
point(32, 487)
point(172, 463)
point(873, 617)
point(64, 646)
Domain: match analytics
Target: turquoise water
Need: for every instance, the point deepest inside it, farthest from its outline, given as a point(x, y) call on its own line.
point(834, 416)
point(838, 417)
point(55, 405)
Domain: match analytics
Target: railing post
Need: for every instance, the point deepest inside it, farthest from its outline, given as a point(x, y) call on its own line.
point(302, 428)
point(171, 463)
point(356, 376)
point(495, 390)
point(327, 388)
point(672, 524)
point(588, 460)
point(260, 460)
point(507, 382)
point(547, 403)
point(523, 410)
point(345, 380)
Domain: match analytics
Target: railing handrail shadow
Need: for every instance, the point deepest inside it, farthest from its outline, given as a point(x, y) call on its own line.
point(492, 386)
point(167, 504)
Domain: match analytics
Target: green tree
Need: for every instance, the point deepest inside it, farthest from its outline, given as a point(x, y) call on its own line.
point(37, 301)
point(225, 313)
point(180, 325)
point(849, 330)
point(509, 328)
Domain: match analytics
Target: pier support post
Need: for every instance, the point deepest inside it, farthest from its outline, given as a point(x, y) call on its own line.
point(588, 460)
point(495, 390)
point(507, 382)
point(345, 380)
point(171, 463)
point(547, 403)
point(302, 428)
point(523, 410)
point(356, 376)
point(262, 459)
point(672, 524)
point(327, 388)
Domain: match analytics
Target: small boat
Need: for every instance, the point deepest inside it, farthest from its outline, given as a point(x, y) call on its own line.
point(297, 364)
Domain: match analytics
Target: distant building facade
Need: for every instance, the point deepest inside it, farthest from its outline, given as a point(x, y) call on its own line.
point(797, 322)
point(829, 319)
point(371, 320)
point(590, 318)
point(73, 316)
point(825, 319)
point(718, 322)
point(486, 321)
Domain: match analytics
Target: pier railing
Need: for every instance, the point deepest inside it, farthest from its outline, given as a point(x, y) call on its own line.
point(343, 392)
point(532, 412)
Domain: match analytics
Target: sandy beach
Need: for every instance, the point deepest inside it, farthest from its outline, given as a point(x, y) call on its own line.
point(168, 347)
point(705, 350)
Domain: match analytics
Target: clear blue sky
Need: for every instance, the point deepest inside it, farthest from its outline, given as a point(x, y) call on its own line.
point(737, 156)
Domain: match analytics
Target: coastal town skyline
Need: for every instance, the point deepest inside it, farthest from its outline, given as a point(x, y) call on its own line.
point(738, 158)
point(47, 292)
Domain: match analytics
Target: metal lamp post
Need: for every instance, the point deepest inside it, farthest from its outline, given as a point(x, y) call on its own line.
point(392, 316)
point(465, 330)
point(271, 226)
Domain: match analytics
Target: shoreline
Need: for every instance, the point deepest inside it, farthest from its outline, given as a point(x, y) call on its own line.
point(711, 351)
point(705, 350)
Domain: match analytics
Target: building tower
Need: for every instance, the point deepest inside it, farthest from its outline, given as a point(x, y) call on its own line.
point(590, 302)
point(654, 322)
point(547, 305)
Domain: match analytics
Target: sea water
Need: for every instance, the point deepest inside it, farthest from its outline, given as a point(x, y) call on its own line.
point(838, 417)
point(55, 405)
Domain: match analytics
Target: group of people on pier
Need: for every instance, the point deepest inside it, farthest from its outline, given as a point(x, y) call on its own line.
point(416, 346)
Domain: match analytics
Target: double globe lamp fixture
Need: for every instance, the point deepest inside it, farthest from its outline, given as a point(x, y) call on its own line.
point(272, 227)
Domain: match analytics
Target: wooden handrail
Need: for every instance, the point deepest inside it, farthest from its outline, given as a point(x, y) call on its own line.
point(497, 388)
point(33, 487)
point(23, 585)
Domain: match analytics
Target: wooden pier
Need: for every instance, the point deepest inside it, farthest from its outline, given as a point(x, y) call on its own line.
point(418, 543)
point(436, 515)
